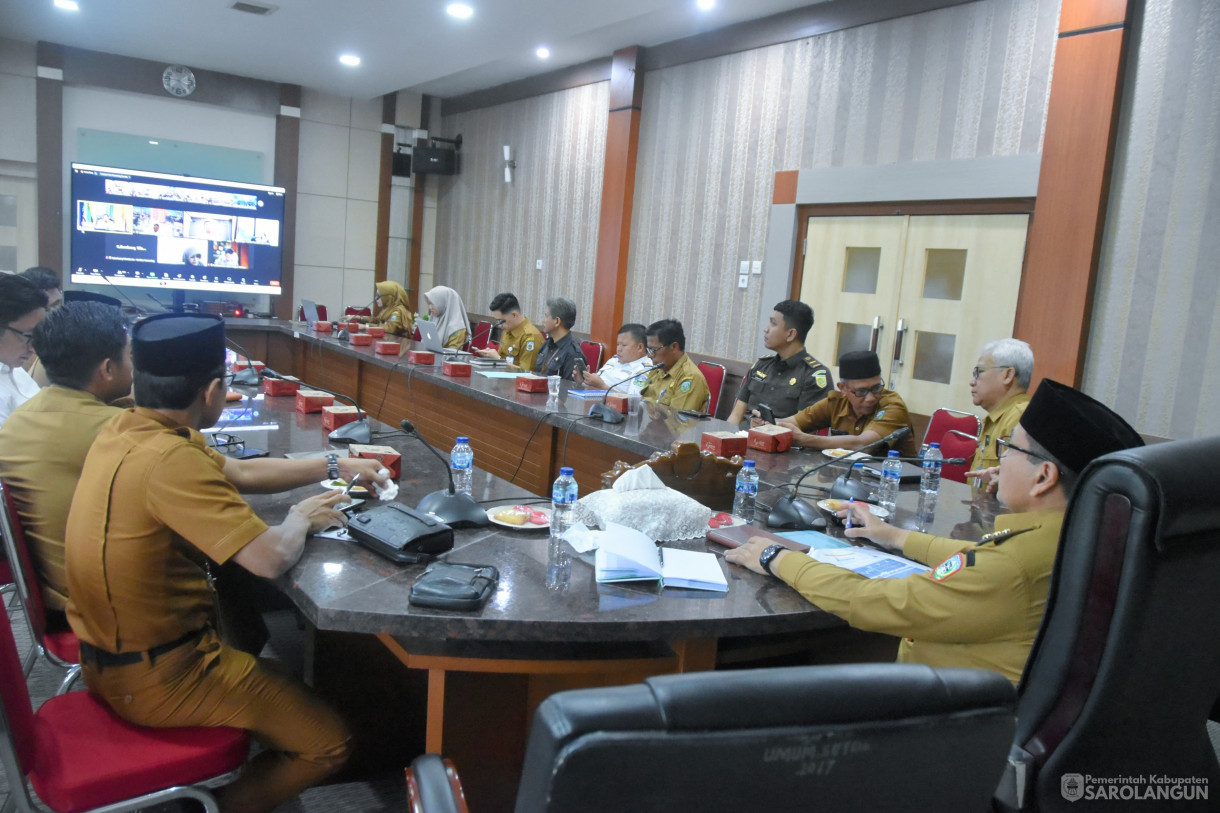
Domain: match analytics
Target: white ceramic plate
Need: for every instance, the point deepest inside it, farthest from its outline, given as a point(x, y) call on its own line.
point(835, 506)
point(527, 526)
point(338, 485)
point(838, 453)
point(736, 521)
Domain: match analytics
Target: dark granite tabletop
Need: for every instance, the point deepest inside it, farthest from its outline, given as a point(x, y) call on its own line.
point(342, 586)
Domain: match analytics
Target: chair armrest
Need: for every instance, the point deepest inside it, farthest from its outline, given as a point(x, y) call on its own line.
point(433, 786)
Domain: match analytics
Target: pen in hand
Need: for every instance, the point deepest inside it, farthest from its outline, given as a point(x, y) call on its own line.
point(347, 491)
point(850, 503)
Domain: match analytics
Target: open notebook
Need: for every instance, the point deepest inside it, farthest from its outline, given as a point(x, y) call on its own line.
point(629, 555)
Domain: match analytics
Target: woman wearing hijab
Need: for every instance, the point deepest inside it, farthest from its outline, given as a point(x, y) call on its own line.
point(393, 311)
point(449, 314)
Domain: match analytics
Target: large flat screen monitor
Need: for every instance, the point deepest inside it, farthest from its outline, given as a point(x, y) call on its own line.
point(155, 230)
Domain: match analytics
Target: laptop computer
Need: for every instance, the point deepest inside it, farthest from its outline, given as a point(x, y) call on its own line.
point(433, 342)
point(311, 310)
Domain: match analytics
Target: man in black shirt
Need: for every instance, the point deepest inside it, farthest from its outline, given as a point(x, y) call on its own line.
point(790, 380)
point(560, 353)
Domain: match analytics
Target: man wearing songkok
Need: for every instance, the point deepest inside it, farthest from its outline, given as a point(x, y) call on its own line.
point(155, 507)
point(981, 604)
point(861, 410)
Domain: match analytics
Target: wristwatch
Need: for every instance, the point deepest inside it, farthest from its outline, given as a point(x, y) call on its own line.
point(332, 467)
point(769, 553)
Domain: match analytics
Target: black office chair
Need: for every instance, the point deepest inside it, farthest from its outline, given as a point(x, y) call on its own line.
point(1126, 666)
point(875, 737)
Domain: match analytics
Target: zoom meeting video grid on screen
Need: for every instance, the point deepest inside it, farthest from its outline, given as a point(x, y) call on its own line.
point(157, 230)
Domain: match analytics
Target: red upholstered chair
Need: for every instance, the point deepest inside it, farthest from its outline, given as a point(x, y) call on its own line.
point(321, 313)
point(593, 354)
point(482, 336)
point(79, 755)
point(957, 433)
point(61, 649)
point(352, 310)
point(714, 373)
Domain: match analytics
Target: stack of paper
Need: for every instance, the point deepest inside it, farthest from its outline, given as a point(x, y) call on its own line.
point(628, 555)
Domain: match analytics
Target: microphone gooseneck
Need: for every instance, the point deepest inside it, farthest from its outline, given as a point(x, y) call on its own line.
point(409, 428)
point(450, 506)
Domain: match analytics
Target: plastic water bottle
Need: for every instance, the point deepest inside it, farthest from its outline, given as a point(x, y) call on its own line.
point(558, 565)
point(929, 478)
point(891, 474)
point(746, 491)
point(461, 464)
point(563, 501)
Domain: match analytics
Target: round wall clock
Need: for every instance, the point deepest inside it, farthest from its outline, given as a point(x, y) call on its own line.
point(179, 80)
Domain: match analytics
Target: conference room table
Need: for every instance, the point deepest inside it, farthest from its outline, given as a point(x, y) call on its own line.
point(548, 623)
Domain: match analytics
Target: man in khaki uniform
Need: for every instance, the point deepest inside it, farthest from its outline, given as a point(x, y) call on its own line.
point(998, 384)
point(154, 505)
point(791, 380)
point(860, 412)
point(87, 357)
point(520, 341)
point(981, 604)
point(675, 381)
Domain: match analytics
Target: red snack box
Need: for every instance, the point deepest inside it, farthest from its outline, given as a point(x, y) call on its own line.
point(389, 458)
point(531, 383)
point(376, 332)
point(353, 327)
point(288, 385)
point(238, 366)
point(770, 438)
point(421, 357)
point(618, 400)
point(321, 327)
point(459, 369)
point(335, 416)
point(313, 400)
point(360, 339)
point(387, 348)
point(725, 444)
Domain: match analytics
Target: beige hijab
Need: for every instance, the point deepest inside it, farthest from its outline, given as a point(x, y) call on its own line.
point(393, 304)
point(452, 312)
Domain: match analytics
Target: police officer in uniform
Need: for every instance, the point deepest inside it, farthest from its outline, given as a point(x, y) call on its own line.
point(675, 381)
point(790, 380)
point(981, 604)
point(520, 341)
point(998, 384)
point(861, 410)
point(154, 509)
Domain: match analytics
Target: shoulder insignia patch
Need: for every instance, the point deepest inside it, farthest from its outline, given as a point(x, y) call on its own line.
point(684, 386)
point(529, 346)
point(1000, 537)
point(948, 567)
point(879, 415)
point(819, 378)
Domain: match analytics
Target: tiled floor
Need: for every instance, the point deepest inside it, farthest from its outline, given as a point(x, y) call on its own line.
point(382, 793)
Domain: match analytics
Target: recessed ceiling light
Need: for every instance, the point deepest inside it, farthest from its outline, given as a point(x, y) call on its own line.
point(67, 5)
point(351, 60)
point(705, 5)
point(543, 52)
point(154, 143)
point(459, 10)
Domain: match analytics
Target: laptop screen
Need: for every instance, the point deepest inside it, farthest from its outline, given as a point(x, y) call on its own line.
point(311, 310)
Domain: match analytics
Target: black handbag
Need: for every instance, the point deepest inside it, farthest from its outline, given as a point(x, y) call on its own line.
point(446, 586)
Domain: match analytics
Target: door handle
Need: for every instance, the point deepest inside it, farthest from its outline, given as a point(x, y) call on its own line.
point(899, 334)
point(875, 334)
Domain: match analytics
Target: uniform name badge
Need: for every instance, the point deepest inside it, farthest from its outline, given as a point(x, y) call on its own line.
point(948, 567)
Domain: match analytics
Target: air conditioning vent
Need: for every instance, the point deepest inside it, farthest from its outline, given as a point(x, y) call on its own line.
point(261, 9)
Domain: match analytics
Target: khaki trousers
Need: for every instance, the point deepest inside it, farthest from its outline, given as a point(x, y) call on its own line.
point(208, 683)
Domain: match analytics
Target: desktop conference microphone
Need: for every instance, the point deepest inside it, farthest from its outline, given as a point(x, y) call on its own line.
point(450, 506)
point(790, 511)
point(845, 488)
point(248, 377)
point(608, 414)
point(357, 431)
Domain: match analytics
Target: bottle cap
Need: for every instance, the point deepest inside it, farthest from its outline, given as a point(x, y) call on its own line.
point(749, 464)
point(933, 445)
point(567, 471)
point(463, 439)
point(894, 453)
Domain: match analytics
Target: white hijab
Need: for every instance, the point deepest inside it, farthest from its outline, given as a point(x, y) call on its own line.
point(452, 312)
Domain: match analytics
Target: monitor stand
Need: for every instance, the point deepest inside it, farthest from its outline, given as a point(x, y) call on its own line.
point(179, 304)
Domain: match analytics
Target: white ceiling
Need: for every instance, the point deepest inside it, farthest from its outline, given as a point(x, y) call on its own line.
point(404, 44)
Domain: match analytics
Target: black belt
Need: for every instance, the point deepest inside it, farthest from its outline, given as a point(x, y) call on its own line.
point(103, 658)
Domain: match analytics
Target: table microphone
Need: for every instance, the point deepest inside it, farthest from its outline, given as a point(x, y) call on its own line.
point(248, 377)
point(356, 431)
point(608, 414)
point(845, 488)
point(450, 506)
point(790, 511)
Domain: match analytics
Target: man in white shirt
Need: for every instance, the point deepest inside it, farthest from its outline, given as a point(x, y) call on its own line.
point(629, 360)
point(22, 306)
